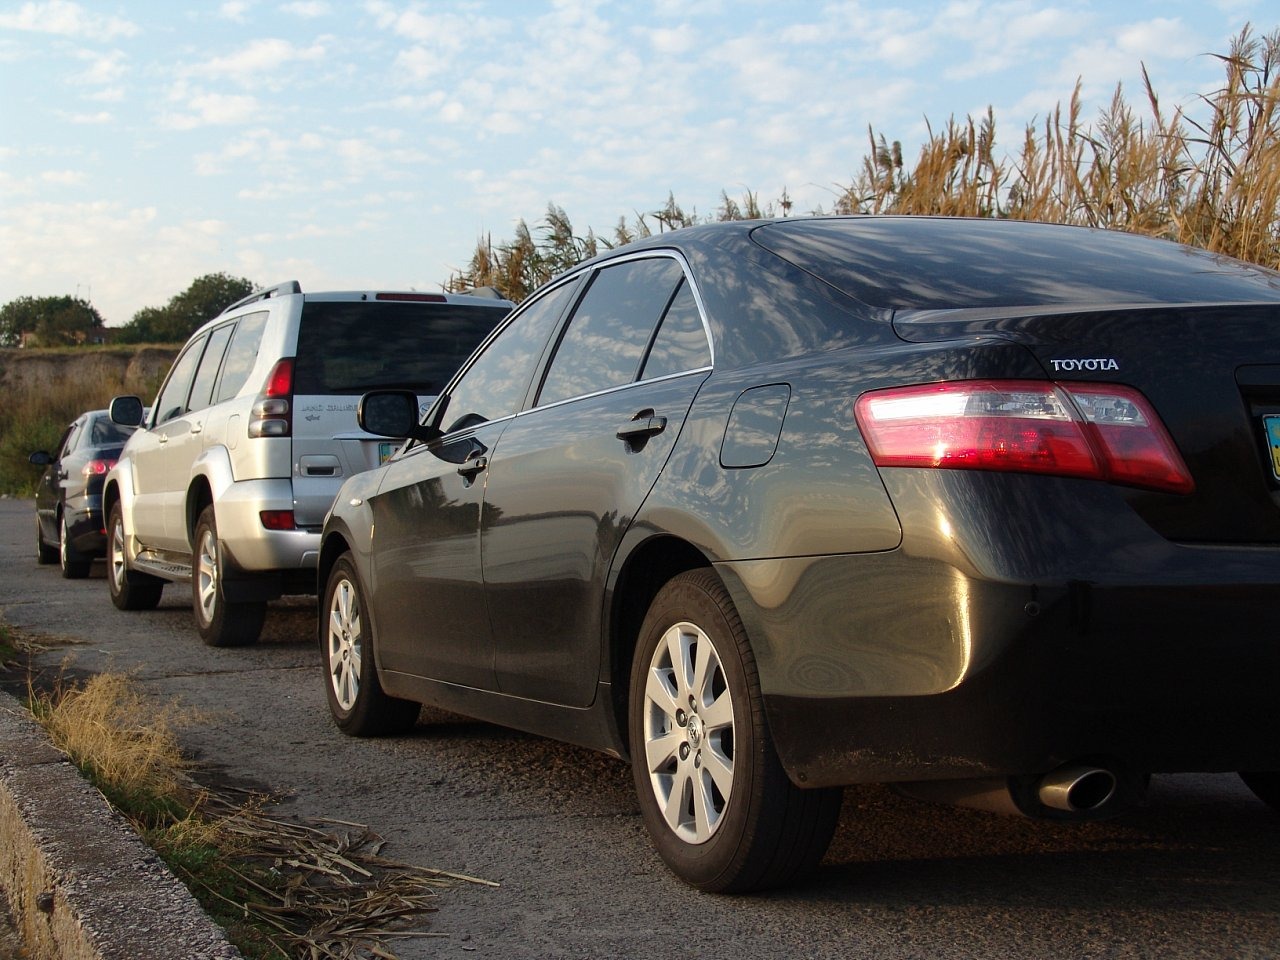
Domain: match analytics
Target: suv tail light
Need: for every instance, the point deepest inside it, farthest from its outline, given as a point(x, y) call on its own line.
point(272, 414)
point(1100, 431)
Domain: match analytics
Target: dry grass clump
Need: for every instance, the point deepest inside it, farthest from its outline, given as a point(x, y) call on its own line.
point(280, 888)
point(124, 743)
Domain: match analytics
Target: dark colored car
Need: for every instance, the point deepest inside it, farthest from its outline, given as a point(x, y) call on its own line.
point(987, 509)
point(69, 520)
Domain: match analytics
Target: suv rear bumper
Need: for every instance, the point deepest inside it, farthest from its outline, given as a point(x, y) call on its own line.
point(249, 547)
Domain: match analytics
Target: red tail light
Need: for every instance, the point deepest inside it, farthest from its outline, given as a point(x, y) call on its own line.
point(277, 519)
point(97, 468)
point(413, 297)
point(1100, 431)
point(272, 414)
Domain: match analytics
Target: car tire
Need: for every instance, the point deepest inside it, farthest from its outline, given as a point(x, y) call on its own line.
point(75, 566)
point(130, 590)
point(359, 705)
point(45, 554)
point(1265, 785)
point(219, 622)
point(722, 812)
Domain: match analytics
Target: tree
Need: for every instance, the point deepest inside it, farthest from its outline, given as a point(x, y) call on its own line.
point(51, 321)
point(207, 296)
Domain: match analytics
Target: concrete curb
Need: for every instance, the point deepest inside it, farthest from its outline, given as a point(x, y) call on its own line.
point(81, 883)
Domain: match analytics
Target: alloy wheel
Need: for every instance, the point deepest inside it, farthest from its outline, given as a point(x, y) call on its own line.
point(345, 644)
point(206, 574)
point(688, 732)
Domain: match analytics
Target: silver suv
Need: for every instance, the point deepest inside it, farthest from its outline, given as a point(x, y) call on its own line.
point(227, 482)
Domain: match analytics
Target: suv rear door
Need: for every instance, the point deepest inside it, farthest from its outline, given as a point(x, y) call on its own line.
point(348, 345)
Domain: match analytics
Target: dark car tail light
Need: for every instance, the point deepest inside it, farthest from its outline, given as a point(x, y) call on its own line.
point(277, 519)
point(97, 468)
point(272, 414)
point(1099, 431)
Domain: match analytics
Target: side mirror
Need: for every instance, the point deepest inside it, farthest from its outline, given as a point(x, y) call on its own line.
point(392, 413)
point(126, 411)
point(41, 458)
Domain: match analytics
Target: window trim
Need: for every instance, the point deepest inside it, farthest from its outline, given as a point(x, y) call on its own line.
point(554, 342)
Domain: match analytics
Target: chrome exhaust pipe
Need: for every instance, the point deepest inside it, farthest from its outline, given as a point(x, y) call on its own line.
point(1077, 788)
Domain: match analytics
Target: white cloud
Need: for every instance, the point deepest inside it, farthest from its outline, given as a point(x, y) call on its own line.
point(234, 10)
point(103, 68)
point(257, 57)
point(67, 19)
point(212, 109)
point(307, 9)
point(97, 119)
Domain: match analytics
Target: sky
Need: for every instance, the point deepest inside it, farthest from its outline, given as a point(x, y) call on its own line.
point(369, 145)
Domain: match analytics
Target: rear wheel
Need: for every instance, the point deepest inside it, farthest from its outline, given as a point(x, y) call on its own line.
point(718, 805)
point(75, 565)
point(221, 623)
point(44, 552)
point(357, 701)
point(1265, 786)
point(129, 589)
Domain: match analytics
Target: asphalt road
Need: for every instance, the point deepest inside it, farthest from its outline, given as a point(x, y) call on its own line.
point(1193, 874)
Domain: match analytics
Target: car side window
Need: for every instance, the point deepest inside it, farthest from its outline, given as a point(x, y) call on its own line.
point(241, 355)
point(681, 343)
point(172, 401)
point(606, 338)
point(207, 374)
point(495, 385)
point(68, 442)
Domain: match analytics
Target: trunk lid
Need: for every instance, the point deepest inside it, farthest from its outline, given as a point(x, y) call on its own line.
point(1212, 372)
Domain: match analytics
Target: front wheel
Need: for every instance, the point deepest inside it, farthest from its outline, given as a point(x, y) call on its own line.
point(130, 590)
point(220, 623)
point(718, 805)
point(359, 705)
point(75, 565)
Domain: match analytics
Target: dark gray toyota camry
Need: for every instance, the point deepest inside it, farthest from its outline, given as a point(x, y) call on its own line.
point(988, 509)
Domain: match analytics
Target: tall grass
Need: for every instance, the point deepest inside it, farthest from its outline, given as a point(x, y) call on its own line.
point(1212, 182)
point(1208, 175)
point(35, 418)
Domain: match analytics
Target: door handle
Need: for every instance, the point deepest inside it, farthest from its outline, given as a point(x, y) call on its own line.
point(473, 467)
point(163, 438)
point(197, 427)
point(642, 426)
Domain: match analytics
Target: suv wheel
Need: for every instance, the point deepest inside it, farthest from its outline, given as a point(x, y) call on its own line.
point(719, 807)
point(75, 566)
point(130, 590)
point(221, 624)
point(357, 701)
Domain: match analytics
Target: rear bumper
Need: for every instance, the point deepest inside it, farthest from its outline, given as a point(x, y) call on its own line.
point(252, 548)
point(988, 647)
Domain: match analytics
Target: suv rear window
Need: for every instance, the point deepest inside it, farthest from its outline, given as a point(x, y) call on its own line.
point(348, 347)
point(931, 263)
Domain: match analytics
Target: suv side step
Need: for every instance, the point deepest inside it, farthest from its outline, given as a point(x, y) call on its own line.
point(162, 567)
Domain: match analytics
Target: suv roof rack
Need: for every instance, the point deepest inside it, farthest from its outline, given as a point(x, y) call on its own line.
point(279, 290)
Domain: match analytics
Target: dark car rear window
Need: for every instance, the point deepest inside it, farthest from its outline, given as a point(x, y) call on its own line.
point(348, 347)
point(932, 263)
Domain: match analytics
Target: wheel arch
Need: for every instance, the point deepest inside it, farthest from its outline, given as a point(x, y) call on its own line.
point(648, 568)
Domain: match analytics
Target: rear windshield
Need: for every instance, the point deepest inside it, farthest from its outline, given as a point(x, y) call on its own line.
point(932, 263)
point(348, 347)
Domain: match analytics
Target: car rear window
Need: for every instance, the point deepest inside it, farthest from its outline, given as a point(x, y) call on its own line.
point(932, 263)
point(348, 347)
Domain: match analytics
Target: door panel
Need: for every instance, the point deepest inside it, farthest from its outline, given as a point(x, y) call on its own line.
point(428, 593)
point(563, 488)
